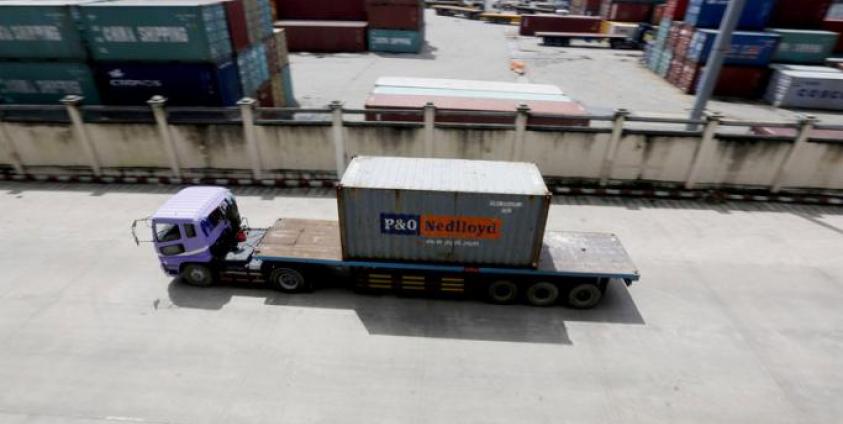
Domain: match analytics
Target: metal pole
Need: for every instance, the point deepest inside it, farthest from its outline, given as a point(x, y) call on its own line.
point(722, 44)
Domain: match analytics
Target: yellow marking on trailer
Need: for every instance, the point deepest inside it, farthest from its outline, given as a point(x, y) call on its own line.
point(412, 277)
point(456, 280)
point(453, 290)
point(380, 275)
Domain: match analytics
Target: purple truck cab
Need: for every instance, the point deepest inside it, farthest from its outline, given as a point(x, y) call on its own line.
point(194, 227)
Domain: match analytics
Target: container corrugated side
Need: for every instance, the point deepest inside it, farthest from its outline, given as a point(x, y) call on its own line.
point(48, 30)
point(401, 15)
point(391, 220)
point(835, 25)
point(531, 24)
point(325, 36)
point(807, 14)
point(183, 84)
point(802, 46)
point(156, 31)
point(810, 90)
point(340, 10)
point(46, 82)
point(395, 41)
point(747, 48)
point(471, 85)
point(709, 13)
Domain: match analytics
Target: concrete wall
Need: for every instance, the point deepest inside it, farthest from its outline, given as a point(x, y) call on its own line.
point(223, 150)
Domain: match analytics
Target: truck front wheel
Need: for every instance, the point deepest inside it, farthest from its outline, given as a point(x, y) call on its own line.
point(197, 275)
point(584, 296)
point(287, 280)
point(542, 294)
point(503, 292)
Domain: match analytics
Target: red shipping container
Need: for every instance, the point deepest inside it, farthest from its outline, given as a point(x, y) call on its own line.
point(684, 34)
point(273, 61)
point(235, 16)
point(324, 36)
point(395, 14)
point(658, 14)
point(791, 133)
point(453, 106)
point(742, 81)
point(734, 81)
point(264, 95)
point(835, 25)
point(675, 71)
point(531, 24)
point(805, 14)
point(333, 10)
point(630, 12)
point(687, 81)
point(675, 9)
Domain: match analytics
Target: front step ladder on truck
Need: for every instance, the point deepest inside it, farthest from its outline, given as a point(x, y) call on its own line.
point(458, 227)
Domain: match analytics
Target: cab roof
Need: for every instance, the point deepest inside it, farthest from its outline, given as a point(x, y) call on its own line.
point(193, 203)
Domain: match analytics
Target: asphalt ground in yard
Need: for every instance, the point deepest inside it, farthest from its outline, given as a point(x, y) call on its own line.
point(736, 319)
point(600, 78)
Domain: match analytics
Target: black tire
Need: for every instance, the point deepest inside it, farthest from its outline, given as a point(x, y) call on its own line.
point(502, 292)
point(287, 280)
point(542, 294)
point(198, 275)
point(584, 296)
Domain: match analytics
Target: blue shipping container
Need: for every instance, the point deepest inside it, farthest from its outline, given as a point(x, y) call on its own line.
point(183, 84)
point(748, 48)
point(709, 13)
point(395, 41)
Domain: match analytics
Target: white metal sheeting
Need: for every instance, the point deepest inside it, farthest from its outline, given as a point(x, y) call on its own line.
point(455, 175)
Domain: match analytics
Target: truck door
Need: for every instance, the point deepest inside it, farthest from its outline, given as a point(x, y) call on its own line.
point(168, 238)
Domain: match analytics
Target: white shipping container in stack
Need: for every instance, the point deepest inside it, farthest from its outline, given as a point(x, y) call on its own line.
point(810, 90)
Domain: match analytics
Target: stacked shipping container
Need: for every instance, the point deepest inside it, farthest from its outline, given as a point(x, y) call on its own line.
point(193, 52)
point(456, 100)
point(331, 26)
point(396, 26)
point(43, 54)
point(531, 24)
point(682, 48)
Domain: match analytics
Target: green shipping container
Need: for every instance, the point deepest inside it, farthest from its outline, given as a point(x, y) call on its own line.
point(157, 30)
point(803, 46)
point(46, 83)
point(42, 29)
point(395, 41)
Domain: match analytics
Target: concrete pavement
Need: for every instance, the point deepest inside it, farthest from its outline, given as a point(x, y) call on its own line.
point(737, 319)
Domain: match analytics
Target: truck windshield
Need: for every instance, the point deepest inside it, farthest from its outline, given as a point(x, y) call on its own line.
point(166, 232)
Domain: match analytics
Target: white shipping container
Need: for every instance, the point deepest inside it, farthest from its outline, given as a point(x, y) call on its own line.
point(809, 90)
point(454, 84)
point(442, 211)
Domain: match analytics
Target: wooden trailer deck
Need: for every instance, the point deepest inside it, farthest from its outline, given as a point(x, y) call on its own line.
point(307, 239)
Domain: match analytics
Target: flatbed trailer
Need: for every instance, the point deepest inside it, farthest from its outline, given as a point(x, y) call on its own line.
point(501, 18)
point(563, 39)
point(577, 266)
point(468, 12)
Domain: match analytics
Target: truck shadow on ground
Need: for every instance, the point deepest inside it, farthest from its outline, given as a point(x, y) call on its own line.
point(464, 319)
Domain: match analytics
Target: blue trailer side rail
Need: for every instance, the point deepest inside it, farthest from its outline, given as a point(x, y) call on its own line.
point(564, 254)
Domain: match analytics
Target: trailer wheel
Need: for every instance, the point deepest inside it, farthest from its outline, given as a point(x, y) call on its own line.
point(197, 275)
point(503, 292)
point(287, 280)
point(542, 294)
point(584, 296)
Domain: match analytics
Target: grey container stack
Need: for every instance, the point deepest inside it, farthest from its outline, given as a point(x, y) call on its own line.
point(443, 211)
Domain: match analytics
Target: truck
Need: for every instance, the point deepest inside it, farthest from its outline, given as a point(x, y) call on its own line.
point(458, 228)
